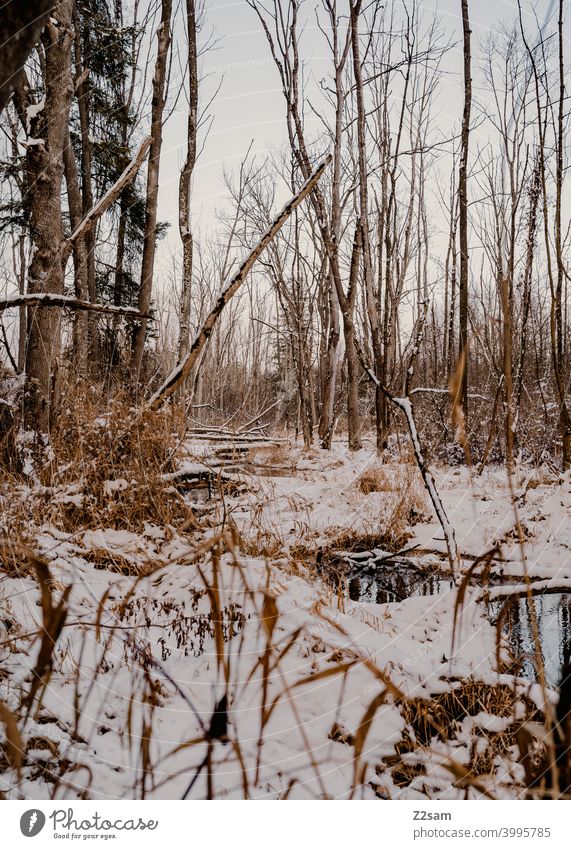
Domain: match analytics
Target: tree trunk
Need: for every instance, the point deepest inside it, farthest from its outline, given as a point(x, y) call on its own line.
point(558, 330)
point(44, 172)
point(86, 165)
point(185, 183)
point(80, 324)
point(463, 208)
point(327, 417)
point(22, 312)
point(149, 244)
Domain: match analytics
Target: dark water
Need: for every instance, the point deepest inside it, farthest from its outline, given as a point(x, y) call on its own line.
point(393, 583)
point(553, 611)
point(396, 584)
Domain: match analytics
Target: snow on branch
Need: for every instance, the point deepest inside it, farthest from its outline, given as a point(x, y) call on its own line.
point(433, 390)
point(108, 198)
point(509, 591)
point(181, 371)
point(405, 406)
point(48, 299)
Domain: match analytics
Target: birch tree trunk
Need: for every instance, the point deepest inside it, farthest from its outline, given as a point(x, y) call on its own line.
point(463, 207)
point(184, 188)
point(149, 244)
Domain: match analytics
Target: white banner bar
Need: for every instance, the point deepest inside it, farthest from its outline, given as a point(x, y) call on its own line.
point(286, 825)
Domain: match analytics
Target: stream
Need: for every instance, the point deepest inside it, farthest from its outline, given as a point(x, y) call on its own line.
point(394, 583)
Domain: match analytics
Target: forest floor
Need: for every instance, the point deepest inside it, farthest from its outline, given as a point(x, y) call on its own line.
point(301, 637)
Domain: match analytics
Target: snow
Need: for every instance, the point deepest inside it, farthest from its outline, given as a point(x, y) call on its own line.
point(155, 628)
point(52, 299)
point(110, 487)
point(30, 142)
point(32, 112)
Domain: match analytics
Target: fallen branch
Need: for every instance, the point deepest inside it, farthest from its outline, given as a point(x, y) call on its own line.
point(362, 561)
point(181, 371)
point(405, 406)
point(256, 418)
point(234, 439)
point(108, 198)
point(545, 587)
point(48, 299)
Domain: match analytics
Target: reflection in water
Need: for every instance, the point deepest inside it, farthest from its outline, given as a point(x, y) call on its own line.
point(392, 584)
point(389, 584)
point(553, 611)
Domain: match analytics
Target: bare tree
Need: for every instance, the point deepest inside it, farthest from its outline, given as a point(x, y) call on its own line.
point(46, 123)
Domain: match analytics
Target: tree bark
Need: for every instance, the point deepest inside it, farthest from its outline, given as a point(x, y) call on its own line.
point(558, 329)
point(86, 165)
point(80, 325)
point(48, 128)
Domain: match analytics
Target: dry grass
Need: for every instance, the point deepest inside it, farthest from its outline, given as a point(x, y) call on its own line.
point(376, 479)
point(440, 715)
point(273, 455)
point(103, 469)
point(441, 718)
point(409, 504)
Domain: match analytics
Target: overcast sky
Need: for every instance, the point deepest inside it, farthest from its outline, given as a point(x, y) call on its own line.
point(249, 106)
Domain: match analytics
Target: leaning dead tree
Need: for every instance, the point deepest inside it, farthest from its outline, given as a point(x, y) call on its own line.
point(181, 372)
point(89, 220)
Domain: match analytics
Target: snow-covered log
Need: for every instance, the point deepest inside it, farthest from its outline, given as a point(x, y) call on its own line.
point(547, 586)
point(48, 299)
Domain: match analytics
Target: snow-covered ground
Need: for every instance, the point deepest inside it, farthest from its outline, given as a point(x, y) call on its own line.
point(321, 690)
